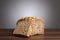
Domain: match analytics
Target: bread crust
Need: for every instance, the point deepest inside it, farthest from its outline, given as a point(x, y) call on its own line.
point(30, 19)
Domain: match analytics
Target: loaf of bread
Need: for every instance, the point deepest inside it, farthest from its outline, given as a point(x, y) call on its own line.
point(29, 26)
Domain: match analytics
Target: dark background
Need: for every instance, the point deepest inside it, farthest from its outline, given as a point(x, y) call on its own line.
point(12, 10)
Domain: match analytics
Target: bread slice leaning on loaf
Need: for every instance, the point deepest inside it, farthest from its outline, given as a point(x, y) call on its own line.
point(29, 26)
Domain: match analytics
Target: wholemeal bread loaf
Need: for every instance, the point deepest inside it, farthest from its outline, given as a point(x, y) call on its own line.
point(28, 26)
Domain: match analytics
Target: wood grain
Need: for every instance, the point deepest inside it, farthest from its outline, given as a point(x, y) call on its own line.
point(50, 34)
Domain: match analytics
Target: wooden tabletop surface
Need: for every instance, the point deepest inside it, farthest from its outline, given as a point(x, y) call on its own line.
point(50, 34)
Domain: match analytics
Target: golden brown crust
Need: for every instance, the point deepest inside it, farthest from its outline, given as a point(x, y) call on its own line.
point(30, 19)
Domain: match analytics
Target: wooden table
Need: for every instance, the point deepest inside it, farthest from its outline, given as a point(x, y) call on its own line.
point(50, 34)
